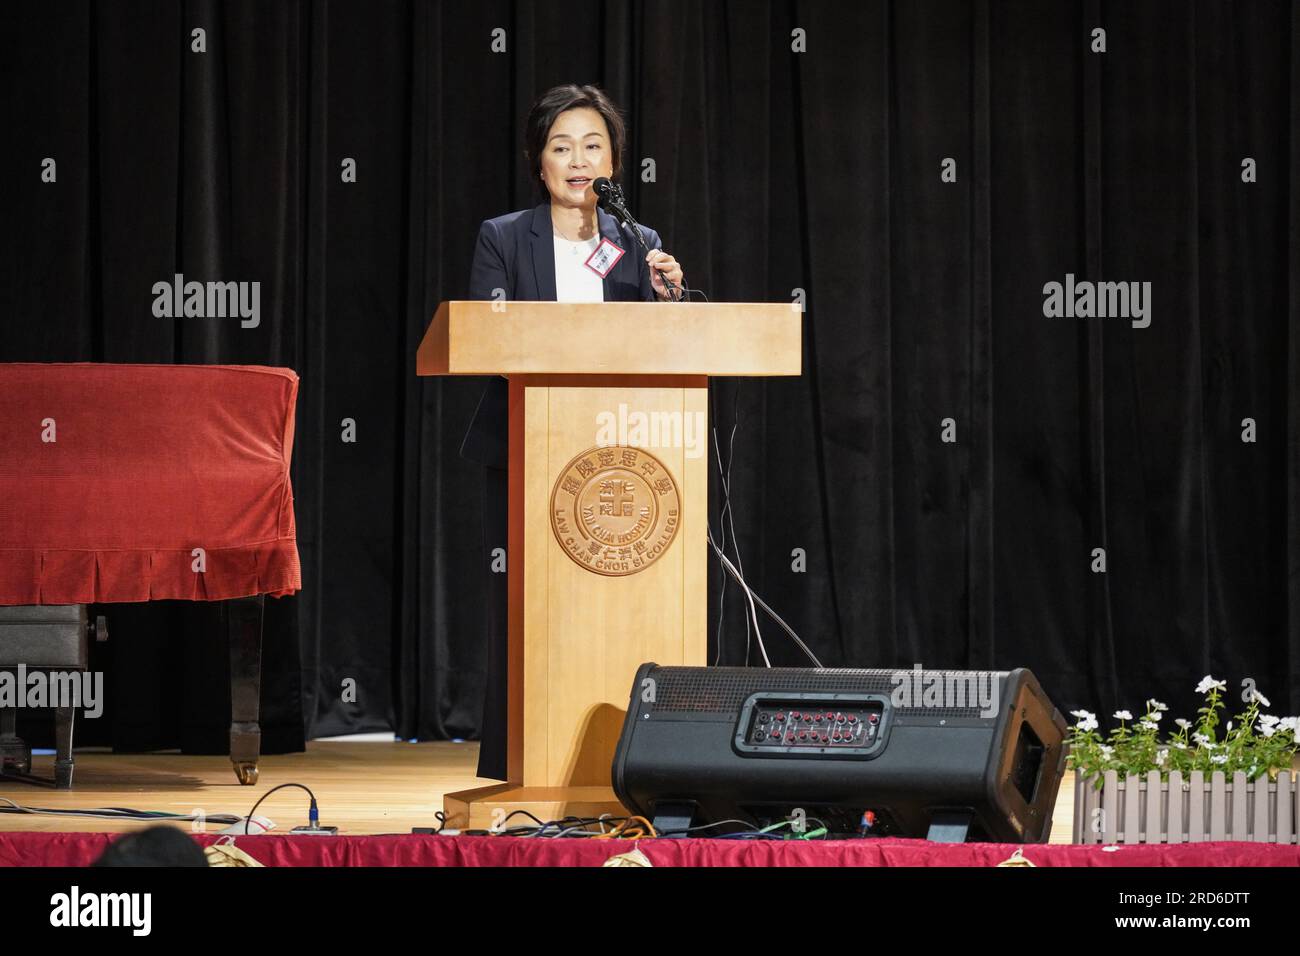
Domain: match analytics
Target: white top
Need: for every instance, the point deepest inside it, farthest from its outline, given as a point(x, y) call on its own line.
point(574, 282)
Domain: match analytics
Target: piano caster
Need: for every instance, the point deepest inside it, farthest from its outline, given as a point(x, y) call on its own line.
point(247, 773)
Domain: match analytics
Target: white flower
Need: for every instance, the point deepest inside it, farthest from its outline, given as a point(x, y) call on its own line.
point(1106, 750)
point(1087, 720)
point(1229, 727)
point(1256, 695)
point(1123, 715)
point(1180, 745)
point(1154, 716)
point(1148, 724)
point(1219, 758)
point(1208, 682)
point(1162, 756)
point(1267, 730)
point(1154, 704)
point(1268, 720)
point(1289, 723)
point(1185, 724)
point(1201, 739)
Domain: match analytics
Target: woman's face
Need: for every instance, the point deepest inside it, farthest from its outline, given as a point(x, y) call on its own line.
point(577, 153)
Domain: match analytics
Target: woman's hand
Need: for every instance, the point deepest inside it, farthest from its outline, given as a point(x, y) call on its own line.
point(661, 264)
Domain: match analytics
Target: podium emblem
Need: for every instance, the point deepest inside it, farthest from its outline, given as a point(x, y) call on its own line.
point(615, 510)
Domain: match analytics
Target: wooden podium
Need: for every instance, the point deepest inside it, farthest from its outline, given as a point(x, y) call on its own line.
point(607, 555)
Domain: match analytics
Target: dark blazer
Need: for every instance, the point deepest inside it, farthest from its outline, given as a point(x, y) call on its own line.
point(516, 252)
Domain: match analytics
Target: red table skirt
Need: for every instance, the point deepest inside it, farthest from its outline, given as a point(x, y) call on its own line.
point(80, 849)
point(145, 482)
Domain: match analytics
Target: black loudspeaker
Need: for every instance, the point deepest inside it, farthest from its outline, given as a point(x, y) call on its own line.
point(948, 755)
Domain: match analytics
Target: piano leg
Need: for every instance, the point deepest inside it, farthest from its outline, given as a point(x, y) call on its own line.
point(244, 628)
point(63, 720)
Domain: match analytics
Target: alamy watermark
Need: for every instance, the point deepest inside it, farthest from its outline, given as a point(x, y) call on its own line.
point(656, 429)
point(47, 688)
point(1098, 300)
point(919, 688)
point(211, 300)
point(133, 911)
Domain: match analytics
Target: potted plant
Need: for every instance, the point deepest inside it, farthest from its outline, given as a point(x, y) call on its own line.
point(1191, 784)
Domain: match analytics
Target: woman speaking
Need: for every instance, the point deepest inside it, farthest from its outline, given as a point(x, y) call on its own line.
point(560, 250)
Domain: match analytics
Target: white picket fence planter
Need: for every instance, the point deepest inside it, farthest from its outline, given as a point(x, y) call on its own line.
point(1146, 809)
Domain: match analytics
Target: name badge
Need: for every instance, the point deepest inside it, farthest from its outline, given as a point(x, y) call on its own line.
point(604, 258)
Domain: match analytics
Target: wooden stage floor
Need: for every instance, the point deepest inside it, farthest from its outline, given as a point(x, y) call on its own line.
point(360, 787)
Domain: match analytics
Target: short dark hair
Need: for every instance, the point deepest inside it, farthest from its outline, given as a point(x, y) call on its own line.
point(155, 846)
point(570, 96)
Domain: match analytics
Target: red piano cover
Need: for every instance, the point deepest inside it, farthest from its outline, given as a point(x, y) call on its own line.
point(148, 464)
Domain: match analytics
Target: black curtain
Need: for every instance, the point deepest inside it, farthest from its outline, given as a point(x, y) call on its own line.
point(778, 172)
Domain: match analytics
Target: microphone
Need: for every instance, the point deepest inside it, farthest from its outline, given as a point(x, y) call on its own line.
point(610, 198)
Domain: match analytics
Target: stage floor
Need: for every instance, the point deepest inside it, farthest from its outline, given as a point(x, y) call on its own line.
point(360, 787)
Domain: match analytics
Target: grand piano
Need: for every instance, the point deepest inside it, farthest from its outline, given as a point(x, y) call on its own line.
point(129, 483)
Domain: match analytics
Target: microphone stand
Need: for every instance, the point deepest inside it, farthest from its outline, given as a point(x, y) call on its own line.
point(612, 201)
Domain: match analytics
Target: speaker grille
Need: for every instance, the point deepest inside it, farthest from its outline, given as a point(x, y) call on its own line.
point(722, 690)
